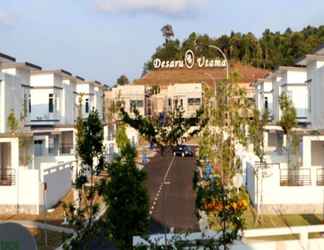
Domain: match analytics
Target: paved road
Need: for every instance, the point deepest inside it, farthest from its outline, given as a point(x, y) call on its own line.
point(172, 205)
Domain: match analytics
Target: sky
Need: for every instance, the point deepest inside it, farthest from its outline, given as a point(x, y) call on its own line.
point(102, 39)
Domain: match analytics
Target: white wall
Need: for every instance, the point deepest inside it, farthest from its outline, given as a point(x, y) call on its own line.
point(127, 93)
point(317, 100)
point(45, 84)
point(11, 99)
point(94, 94)
point(68, 102)
point(59, 182)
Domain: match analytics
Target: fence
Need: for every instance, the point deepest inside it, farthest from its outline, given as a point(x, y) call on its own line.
point(303, 242)
point(320, 177)
point(295, 177)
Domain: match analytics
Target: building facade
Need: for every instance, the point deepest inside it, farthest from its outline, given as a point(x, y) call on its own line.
point(273, 184)
point(38, 110)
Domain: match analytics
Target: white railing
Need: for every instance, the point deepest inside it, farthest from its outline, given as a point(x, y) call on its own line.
point(56, 168)
point(171, 238)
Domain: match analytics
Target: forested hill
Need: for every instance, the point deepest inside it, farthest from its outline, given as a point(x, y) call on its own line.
point(269, 51)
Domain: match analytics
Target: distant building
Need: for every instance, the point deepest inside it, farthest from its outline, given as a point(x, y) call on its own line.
point(176, 86)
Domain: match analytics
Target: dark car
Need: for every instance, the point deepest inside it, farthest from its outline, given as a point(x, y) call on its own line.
point(182, 150)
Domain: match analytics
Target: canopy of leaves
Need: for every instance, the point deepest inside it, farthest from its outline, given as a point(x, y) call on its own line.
point(126, 194)
point(256, 130)
point(90, 138)
point(121, 137)
point(122, 80)
point(229, 111)
point(269, 51)
point(288, 117)
point(169, 132)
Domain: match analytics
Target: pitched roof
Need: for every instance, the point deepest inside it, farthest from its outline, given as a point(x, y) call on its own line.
point(162, 77)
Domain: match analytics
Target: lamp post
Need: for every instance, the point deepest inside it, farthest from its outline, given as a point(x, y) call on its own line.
point(224, 56)
point(223, 188)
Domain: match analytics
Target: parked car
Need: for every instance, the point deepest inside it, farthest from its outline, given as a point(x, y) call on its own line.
point(182, 150)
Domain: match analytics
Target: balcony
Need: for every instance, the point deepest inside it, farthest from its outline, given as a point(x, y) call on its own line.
point(44, 119)
point(62, 149)
point(7, 177)
point(295, 177)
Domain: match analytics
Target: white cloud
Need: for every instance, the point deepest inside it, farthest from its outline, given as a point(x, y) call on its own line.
point(7, 18)
point(166, 7)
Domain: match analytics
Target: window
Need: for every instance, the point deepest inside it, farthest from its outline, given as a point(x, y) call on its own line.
point(170, 102)
point(181, 102)
point(193, 101)
point(266, 103)
point(134, 104)
point(29, 103)
point(25, 104)
point(87, 105)
point(139, 103)
point(51, 103)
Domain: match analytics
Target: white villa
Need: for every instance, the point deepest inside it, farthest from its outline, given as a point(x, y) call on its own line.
point(188, 96)
point(275, 187)
point(40, 151)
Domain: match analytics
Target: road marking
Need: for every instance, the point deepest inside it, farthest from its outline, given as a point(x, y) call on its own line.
point(164, 182)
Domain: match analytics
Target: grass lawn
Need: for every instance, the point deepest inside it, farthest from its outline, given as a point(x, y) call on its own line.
point(267, 221)
point(54, 239)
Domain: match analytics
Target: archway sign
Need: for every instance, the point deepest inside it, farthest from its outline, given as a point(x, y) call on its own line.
point(189, 62)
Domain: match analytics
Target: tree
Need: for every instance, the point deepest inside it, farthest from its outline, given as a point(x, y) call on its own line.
point(256, 134)
point(269, 51)
point(122, 80)
point(169, 133)
point(90, 150)
point(167, 32)
point(121, 137)
point(228, 113)
point(287, 121)
point(125, 192)
point(16, 127)
point(13, 123)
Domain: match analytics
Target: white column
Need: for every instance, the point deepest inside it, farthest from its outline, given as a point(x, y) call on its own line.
point(303, 239)
point(284, 141)
point(266, 139)
point(307, 151)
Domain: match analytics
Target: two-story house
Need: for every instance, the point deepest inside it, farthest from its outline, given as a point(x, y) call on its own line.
point(296, 167)
point(52, 112)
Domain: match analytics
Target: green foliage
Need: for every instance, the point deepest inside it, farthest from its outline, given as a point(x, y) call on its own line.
point(90, 151)
point(90, 139)
point(121, 137)
point(256, 130)
point(13, 123)
point(171, 132)
point(122, 80)
point(126, 194)
point(167, 31)
point(269, 51)
point(288, 117)
point(229, 111)
point(288, 122)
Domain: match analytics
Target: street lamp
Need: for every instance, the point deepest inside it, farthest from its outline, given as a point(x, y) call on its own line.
point(223, 55)
point(225, 58)
point(223, 188)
